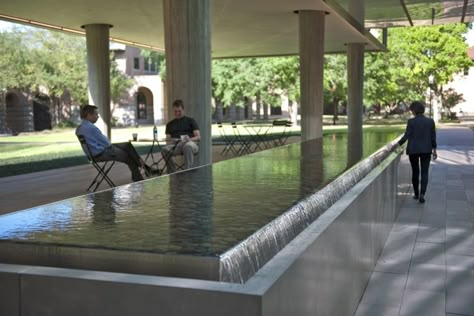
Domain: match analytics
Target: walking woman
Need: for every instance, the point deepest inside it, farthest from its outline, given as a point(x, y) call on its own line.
point(421, 135)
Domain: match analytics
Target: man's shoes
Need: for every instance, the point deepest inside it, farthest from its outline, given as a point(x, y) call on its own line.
point(415, 197)
point(155, 172)
point(149, 171)
point(137, 177)
point(422, 198)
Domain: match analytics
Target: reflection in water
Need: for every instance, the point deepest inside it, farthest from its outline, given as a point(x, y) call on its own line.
point(191, 211)
point(204, 211)
point(311, 166)
point(355, 150)
point(104, 208)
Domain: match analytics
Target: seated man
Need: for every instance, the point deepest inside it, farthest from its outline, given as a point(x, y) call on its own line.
point(102, 149)
point(184, 128)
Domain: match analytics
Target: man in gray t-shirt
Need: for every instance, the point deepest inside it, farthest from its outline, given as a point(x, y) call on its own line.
point(186, 130)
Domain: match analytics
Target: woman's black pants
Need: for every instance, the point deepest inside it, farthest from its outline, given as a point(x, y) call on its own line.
point(417, 160)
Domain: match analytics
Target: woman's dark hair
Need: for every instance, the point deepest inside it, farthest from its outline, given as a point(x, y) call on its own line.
point(417, 107)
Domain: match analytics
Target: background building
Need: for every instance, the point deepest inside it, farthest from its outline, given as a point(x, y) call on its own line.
point(144, 102)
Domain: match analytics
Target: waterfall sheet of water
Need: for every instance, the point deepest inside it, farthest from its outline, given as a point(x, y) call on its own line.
point(241, 211)
point(245, 259)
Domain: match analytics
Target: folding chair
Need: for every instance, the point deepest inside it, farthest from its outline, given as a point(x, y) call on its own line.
point(241, 140)
point(281, 138)
point(102, 167)
point(229, 141)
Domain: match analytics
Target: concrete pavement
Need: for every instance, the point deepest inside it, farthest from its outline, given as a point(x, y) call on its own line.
point(427, 264)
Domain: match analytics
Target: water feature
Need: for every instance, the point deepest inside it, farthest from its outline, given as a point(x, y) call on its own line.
point(220, 222)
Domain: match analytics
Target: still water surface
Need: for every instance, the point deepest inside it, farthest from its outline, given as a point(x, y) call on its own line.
point(204, 211)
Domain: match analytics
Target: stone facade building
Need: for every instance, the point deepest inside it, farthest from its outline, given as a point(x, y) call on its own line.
point(144, 102)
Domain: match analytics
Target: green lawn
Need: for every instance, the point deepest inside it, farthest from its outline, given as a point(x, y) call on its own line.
point(31, 152)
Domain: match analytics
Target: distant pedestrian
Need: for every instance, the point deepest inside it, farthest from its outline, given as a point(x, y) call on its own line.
point(421, 135)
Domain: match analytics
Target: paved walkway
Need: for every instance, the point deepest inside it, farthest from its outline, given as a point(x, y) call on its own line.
point(427, 264)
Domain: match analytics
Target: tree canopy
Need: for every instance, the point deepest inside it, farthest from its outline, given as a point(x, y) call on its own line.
point(391, 77)
point(34, 59)
point(414, 54)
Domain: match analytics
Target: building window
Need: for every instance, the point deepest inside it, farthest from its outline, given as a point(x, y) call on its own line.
point(136, 63)
point(146, 63)
point(154, 64)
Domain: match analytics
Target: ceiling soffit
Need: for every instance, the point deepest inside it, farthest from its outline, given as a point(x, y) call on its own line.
point(239, 28)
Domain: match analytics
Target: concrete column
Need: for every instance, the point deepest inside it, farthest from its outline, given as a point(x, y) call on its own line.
point(219, 112)
point(239, 111)
point(98, 64)
point(249, 108)
point(188, 64)
point(355, 92)
point(3, 124)
point(232, 112)
point(258, 105)
point(265, 111)
point(355, 88)
point(311, 27)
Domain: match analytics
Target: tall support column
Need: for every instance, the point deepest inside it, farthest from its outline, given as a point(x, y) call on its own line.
point(355, 88)
point(188, 64)
point(311, 28)
point(98, 65)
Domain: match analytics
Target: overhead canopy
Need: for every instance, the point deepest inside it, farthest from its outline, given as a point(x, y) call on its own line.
point(239, 27)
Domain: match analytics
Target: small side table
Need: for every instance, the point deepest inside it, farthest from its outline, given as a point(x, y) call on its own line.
point(157, 144)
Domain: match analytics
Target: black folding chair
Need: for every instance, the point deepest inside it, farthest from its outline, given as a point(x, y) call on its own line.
point(242, 141)
point(281, 138)
point(102, 167)
point(229, 141)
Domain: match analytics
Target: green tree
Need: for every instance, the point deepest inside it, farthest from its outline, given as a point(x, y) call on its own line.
point(18, 71)
point(265, 79)
point(36, 60)
point(414, 54)
point(335, 82)
point(120, 83)
point(61, 59)
point(450, 98)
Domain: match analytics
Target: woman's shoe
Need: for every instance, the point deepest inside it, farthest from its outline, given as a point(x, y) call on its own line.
point(422, 198)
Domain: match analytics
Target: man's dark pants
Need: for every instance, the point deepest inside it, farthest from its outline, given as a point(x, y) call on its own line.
point(126, 153)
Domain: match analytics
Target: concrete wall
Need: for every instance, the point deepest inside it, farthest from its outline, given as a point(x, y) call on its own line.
point(337, 253)
point(323, 271)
